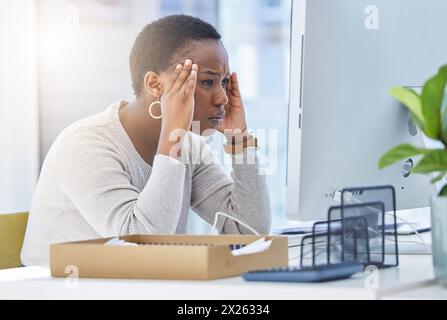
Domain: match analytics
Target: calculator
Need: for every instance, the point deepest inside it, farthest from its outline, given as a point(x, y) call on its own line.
point(321, 273)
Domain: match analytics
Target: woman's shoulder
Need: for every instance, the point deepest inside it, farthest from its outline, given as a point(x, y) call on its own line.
point(97, 129)
point(95, 122)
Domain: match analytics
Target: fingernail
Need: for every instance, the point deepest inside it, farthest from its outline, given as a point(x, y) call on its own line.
point(179, 66)
point(188, 62)
point(195, 66)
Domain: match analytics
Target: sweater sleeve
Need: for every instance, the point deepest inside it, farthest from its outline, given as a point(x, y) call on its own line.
point(244, 195)
point(91, 172)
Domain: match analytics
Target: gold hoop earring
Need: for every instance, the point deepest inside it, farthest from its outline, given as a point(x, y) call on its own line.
point(150, 109)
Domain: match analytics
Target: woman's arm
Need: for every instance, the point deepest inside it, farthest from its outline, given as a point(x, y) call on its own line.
point(244, 195)
point(94, 176)
point(91, 172)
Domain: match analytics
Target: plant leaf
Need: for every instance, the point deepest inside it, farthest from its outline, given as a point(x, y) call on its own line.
point(434, 160)
point(443, 191)
point(431, 98)
point(410, 99)
point(438, 177)
point(443, 71)
point(400, 152)
point(444, 122)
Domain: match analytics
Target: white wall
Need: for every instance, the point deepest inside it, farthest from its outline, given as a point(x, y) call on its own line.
point(83, 64)
point(84, 48)
point(18, 104)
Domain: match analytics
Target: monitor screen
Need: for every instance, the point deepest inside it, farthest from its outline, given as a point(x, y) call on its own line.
point(346, 55)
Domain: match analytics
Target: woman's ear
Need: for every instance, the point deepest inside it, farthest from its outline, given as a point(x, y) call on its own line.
point(152, 84)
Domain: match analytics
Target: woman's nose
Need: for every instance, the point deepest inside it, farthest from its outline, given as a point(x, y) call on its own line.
point(221, 97)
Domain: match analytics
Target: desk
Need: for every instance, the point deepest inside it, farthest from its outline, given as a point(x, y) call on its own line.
point(435, 291)
point(415, 271)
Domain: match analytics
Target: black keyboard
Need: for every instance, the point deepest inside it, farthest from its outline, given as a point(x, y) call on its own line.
point(321, 273)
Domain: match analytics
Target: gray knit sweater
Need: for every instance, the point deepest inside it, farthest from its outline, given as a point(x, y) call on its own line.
point(94, 184)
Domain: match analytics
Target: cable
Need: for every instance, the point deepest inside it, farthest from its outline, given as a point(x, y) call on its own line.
point(321, 249)
point(401, 241)
point(352, 199)
point(214, 227)
point(413, 229)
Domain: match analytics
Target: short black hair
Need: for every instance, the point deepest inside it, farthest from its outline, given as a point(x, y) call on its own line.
point(157, 43)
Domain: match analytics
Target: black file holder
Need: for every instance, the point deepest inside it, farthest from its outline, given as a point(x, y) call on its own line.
point(355, 231)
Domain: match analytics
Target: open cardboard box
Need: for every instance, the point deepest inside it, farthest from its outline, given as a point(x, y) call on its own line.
point(181, 257)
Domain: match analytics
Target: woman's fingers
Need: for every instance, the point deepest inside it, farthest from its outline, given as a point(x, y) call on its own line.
point(190, 85)
point(183, 76)
point(176, 73)
point(229, 90)
point(235, 85)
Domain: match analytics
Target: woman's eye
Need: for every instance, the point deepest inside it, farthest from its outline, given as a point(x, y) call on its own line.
point(207, 83)
point(224, 83)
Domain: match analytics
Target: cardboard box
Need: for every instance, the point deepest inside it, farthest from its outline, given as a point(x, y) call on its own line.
point(181, 257)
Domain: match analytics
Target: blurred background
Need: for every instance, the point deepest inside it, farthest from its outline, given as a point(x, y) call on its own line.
point(62, 60)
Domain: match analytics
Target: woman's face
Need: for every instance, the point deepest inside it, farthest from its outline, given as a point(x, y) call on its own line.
point(212, 78)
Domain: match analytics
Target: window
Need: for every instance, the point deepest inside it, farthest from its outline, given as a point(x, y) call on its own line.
point(257, 36)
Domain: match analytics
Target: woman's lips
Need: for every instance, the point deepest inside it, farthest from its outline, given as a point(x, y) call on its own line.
point(216, 120)
point(218, 116)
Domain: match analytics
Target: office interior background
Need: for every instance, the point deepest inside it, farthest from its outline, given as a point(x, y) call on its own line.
point(62, 60)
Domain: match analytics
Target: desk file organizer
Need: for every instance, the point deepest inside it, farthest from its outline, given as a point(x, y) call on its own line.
point(355, 230)
point(191, 257)
point(354, 236)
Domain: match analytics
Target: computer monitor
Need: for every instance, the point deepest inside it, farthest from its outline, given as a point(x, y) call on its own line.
point(345, 57)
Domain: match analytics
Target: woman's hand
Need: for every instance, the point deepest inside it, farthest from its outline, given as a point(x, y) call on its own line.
point(177, 102)
point(234, 124)
point(177, 106)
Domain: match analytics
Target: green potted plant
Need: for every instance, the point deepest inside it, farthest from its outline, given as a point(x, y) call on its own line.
point(429, 112)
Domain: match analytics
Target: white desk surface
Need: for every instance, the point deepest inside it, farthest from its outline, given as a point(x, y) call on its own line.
point(435, 291)
point(415, 271)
